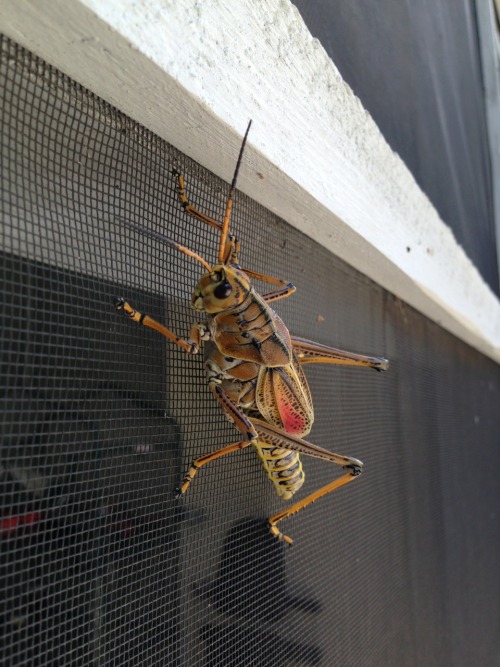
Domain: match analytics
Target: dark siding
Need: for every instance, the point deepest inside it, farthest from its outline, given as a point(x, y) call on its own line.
point(415, 65)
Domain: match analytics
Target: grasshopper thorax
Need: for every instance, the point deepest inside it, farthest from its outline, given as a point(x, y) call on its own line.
point(225, 287)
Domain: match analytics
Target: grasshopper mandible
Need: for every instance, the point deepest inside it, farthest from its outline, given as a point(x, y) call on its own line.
point(254, 365)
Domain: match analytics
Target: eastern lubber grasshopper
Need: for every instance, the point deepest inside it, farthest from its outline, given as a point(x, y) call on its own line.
point(254, 365)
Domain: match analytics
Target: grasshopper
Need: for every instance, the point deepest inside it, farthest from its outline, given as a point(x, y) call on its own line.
point(253, 364)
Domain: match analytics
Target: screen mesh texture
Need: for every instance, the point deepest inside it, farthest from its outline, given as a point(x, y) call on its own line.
point(100, 565)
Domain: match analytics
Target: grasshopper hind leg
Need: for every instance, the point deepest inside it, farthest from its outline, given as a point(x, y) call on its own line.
point(353, 471)
point(273, 437)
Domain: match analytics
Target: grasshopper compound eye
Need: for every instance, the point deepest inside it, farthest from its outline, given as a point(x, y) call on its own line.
point(223, 290)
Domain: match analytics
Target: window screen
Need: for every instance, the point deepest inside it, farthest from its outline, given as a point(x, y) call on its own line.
point(100, 565)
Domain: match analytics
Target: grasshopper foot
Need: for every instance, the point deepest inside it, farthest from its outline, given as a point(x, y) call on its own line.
point(119, 302)
point(280, 536)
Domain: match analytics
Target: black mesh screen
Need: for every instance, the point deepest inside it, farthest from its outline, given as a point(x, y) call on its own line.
point(99, 564)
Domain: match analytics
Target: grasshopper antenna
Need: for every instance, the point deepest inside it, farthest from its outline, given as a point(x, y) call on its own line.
point(229, 204)
point(164, 239)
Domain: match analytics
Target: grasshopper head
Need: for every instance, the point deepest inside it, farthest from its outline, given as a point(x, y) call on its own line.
point(223, 288)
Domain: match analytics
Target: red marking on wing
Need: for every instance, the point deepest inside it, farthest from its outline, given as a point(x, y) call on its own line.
point(284, 400)
point(292, 422)
point(293, 413)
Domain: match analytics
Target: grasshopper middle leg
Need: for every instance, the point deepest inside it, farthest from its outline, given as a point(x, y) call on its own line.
point(203, 460)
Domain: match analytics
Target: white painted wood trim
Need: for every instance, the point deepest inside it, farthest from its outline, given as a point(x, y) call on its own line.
point(195, 71)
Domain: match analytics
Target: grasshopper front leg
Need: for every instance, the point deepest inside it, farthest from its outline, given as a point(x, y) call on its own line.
point(232, 244)
point(191, 345)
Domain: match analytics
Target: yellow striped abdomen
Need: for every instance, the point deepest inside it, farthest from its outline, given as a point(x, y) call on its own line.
point(283, 467)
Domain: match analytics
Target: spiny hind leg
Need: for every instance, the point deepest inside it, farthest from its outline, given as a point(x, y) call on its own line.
point(309, 352)
point(203, 460)
point(274, 437)
point(337, 483)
